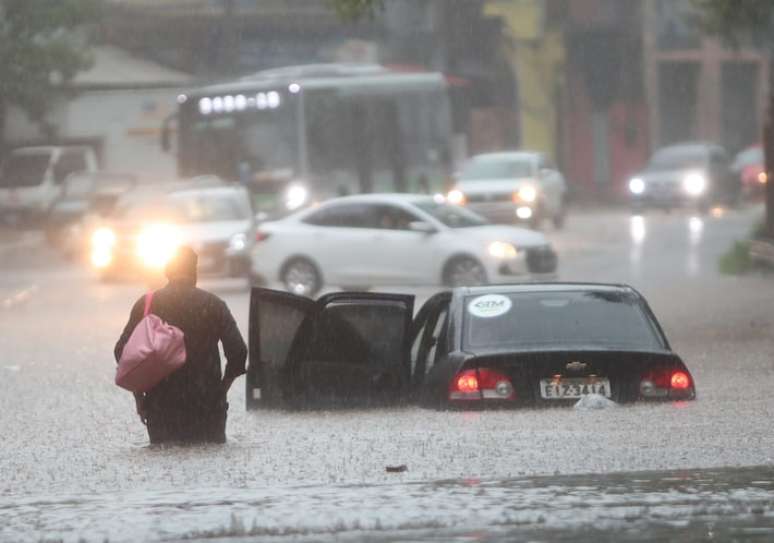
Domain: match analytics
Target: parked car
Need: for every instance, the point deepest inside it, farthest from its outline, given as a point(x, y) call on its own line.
point(541, 344)
point(359, 241)
point(149, 224)
point(31, 178)
point(512, 187)
point(750, 168)
point(83, 194)
point(696, 175)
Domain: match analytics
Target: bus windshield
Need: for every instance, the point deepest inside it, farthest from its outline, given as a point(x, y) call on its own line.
point(241, 144)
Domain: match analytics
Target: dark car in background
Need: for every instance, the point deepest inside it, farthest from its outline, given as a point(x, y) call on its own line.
point(541, 344)
point(750, 168)
point(696, 175)
point(85, 196)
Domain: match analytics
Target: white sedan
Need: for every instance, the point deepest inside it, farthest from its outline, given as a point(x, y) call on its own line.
point(356, 242)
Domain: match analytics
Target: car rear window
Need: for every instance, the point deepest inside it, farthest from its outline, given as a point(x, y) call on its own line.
point(555, 320)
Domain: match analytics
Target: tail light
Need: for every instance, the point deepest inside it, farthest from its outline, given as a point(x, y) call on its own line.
point(481, 384)
point(261, 235)
point(680, 380)
point(667, 383)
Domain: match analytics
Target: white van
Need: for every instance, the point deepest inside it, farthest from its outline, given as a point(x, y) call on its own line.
point(31, 178)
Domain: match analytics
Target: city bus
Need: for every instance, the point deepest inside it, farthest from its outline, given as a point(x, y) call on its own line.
point(301, 134)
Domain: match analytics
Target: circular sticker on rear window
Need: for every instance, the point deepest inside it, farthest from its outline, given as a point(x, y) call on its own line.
point(490, 305)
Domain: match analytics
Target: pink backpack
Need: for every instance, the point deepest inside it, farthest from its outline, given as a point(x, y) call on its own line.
point(154, 351)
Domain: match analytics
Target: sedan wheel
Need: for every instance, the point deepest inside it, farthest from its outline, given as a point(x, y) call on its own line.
point(301, 278)
point(465, 272)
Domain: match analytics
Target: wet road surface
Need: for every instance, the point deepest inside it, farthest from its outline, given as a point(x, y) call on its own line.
point(75, 464)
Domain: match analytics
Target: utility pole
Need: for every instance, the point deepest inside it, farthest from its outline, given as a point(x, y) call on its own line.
point(229, 41)
point(768, 149)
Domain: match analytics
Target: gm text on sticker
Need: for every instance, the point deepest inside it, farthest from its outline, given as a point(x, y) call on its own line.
point(489, 306)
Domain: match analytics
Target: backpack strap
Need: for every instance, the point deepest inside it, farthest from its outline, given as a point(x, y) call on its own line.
point(148, 302)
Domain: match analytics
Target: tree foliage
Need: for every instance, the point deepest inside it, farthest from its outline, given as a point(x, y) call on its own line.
point(356, 9)
point(41, 48)
point(735, 20)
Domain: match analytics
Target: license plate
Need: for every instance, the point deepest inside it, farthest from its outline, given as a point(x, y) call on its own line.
point(573, 388)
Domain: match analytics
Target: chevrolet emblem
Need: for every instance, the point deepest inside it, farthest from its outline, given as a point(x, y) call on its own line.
point(576, 366)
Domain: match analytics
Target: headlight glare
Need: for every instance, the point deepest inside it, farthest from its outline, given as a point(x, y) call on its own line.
point(636, 185)
point(156, 245)
point(103, 238)
point(502, 250)
point(102, 242)
point(296, 196)
point(695, 184)
point(456, 197)
point(527, 193)
point(238, 242)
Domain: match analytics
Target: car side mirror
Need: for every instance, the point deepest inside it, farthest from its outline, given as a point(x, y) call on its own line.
point(422, 227)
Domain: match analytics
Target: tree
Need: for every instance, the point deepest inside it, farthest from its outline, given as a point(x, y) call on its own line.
point(356, 9)
point(750, 20)
point(40, 50)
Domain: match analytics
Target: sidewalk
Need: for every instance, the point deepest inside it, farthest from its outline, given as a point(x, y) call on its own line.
point(762, 250)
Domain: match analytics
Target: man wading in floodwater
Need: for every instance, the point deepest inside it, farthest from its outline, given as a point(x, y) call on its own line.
point(190, 405)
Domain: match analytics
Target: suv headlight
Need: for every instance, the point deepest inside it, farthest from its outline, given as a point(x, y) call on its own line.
point(527, 193)
point(296, 196)
point(238, 242)
point(636, 185)
point(157, 244)
point(102, 242)
point(695, 184)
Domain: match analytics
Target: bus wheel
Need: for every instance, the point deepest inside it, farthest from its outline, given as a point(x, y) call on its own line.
point(300, 276)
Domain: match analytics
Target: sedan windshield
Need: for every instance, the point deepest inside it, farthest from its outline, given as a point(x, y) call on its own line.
point(477, 170)
point(24, 170)
point(211, 208)
point(556, 320)
point(452, 216)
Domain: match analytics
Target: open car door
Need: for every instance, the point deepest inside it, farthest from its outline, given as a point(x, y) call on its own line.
point(275, 319)
point(346, 349)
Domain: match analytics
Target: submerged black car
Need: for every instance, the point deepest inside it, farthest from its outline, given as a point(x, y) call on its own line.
point(500, 346)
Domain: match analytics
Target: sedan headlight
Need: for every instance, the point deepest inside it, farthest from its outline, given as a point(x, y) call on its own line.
point(502, 250)
point(636, 185)
point(157, 244)
point(102, 242)
point(456, 197)
point(695, 184)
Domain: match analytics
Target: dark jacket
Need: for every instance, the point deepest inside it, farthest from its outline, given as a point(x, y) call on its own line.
point(196, 388)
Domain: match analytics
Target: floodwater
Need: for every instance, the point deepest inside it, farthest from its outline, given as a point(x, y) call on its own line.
point(689, 505)
point(75, 465)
